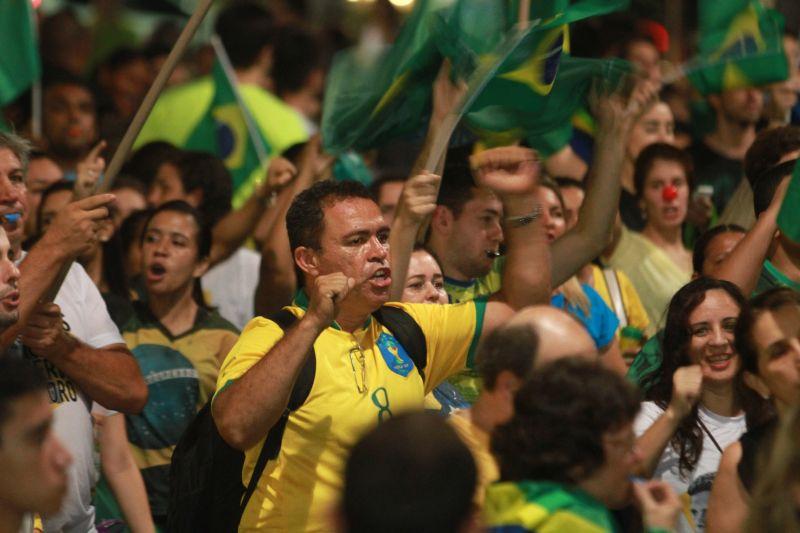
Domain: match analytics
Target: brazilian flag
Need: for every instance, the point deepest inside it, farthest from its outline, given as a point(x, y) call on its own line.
point(223, 131)
point(369, 103)
point(740, 46)
point(789, 215)
point(19, 59)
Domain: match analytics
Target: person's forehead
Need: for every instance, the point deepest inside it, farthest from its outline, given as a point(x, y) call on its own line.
point(723, 242)
point(717, 304)
point(660, 111)
point(28, 411)
point(68, 91)
point(173, 221)
point(9, 159)
point(482, 198)
point(423, 263)
point(390, 191)
point(342, 216)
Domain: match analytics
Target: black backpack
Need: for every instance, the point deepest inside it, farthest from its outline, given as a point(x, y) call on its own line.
point(205, 487)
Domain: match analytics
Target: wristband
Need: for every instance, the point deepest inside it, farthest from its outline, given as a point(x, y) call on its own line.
point(524, 220)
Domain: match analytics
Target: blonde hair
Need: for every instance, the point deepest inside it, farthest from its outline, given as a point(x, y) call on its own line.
point(575, 295)
point(776, 499)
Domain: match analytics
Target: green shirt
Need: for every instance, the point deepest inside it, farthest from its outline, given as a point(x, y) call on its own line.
point(771, 277)
point(647, 361)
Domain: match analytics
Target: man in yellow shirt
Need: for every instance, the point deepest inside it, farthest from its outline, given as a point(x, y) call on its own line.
point(362, 375)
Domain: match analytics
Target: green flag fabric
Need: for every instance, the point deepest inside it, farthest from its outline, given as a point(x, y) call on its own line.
point(372, 101)
point(223, 131)
point(19, 60)
point(740, 45)
point(789, 215)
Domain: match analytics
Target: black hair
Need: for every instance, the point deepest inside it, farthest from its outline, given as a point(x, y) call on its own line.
point(565, 182)
point(660, 152)
point(771, 300)
point(702, 242)
point(769, 147)
point(203, 238)
point(245, 29)
point(458, 186)
point(57, 78)
point(207, 172)
point(688, 439)
point(144, 163)
point(510, 348)
point(122, 57)
point(411, 473)
point(297, 54)
point(305, 219)
point(18, 377)
point(560, 416)
point(767, 183)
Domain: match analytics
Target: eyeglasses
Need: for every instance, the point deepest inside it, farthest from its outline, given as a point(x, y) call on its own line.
point(356, 354)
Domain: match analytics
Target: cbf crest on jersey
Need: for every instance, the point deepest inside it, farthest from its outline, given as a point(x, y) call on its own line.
point(395, 355)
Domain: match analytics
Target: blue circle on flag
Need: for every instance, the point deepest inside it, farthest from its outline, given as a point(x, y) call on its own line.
point(226, 139)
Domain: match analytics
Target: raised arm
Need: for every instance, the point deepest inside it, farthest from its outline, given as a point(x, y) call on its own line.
point(512, 173)
point(234, 228)
point(585, 241)
point(417, 202)
point(247, 409)
point(686, 385)
point(743, 266)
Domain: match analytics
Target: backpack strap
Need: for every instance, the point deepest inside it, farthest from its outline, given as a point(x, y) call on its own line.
point(300, 391)
point(407, 332)
point(615, 293)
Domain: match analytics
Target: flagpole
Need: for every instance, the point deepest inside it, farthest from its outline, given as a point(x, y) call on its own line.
point(230, 73)
point(139, 119)
point(36, 109)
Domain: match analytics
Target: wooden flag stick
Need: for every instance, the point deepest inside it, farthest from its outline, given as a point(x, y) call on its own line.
point(139, 119)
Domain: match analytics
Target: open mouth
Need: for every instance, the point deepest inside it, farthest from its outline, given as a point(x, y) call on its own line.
point(719, 362)
point(156, 272)
point(493, 254)
point(11, 220)
point(11, 299)
point(382, 277)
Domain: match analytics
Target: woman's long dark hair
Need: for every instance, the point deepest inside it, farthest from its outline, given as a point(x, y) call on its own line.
point(688, 439)
point(203, 239)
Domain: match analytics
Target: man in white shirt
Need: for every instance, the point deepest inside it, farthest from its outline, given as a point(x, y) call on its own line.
point(73, 341)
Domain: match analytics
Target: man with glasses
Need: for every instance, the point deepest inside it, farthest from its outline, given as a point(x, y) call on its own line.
point(362, 374)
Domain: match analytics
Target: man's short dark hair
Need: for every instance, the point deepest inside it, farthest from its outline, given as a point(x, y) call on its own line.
point(297, 54)
point(510, 348)
point(564, 182)
point(18, 377)
point(205, 171)
point(412, 473)
point(56, 78)
point(560, 417)
point(305, 219)
point(458, 186)
point(145, 161)
point(769, 147)
point(660, 152)
point(767, 183)
point(702, 242)
point(245, 29)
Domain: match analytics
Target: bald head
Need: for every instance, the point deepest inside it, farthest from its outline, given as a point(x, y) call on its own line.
point(560, 334)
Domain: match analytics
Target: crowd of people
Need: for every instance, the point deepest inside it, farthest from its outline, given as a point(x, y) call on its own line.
point(603, 339)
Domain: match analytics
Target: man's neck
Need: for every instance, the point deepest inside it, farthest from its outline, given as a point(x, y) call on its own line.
point(176, 311)
point(253, 76)
point(10, 519)
point(449, 269)
point(731, 139)
point(786, 263)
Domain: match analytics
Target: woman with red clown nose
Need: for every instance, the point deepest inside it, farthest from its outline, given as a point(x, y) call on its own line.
point(656, 260)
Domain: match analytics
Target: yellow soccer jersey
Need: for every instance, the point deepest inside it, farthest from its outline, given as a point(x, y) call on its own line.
point(477, 440)
point(297, 490)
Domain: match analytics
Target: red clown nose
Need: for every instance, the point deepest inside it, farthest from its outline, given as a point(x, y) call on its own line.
point(669, 193)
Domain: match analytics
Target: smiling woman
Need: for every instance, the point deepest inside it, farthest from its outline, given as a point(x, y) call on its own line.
point(696, 402)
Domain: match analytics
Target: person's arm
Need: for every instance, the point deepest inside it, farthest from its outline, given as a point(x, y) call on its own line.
point(234, 228)
point(248, 407)
point(512, 173)
point(729, 502)
point(686, 385)
point(109, 375)
point(591, 234)
point(417, 202)
point(659, 505)
point(72, 232)
point(611, 357)
point(743, 266)
point(122, 474)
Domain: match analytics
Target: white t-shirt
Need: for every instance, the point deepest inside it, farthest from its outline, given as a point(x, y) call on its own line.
point(695, 489)
point(231, 286)
point(86, 317)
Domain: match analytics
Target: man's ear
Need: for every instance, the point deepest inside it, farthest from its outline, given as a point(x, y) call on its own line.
point(307, 260)
point(757, 384)
point(442, 220)
point(202, 267)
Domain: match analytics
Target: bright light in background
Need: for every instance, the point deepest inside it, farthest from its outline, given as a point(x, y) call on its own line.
point(36, 3)
point(401, 3)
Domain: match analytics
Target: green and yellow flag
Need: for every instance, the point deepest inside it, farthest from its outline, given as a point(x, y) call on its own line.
point(225, 132)
point(19, 57)
point(741, 45)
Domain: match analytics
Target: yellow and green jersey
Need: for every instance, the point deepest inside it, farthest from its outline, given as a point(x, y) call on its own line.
point(180, 110)
point(181, 373)
point(544, 507)
point(361, 379)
